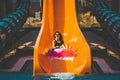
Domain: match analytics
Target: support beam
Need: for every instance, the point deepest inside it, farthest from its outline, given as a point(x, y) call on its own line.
point(41, 8)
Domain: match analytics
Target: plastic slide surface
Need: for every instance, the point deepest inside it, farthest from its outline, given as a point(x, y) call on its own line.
point(60, 15)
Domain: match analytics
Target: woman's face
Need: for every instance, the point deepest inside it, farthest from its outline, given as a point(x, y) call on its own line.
point(57, 36)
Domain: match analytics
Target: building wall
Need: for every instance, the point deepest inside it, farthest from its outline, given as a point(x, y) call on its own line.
point(5, 7)
point(35, 6)
point(119, 7)
point(2, 8)
point(114, 5)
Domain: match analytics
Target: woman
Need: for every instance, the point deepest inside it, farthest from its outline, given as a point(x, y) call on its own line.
point(59, 49)
point(58, 41)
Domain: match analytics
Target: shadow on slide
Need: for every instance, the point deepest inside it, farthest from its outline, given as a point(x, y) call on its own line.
point(60, 15)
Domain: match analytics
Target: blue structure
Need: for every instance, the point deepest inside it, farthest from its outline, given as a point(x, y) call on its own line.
point(13, 21)
point(109, 20)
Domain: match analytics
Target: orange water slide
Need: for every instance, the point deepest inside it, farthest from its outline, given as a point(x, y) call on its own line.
point(60, 15)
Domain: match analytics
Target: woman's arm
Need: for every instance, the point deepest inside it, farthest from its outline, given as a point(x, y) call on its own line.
point(53, 44)
point(63, 46)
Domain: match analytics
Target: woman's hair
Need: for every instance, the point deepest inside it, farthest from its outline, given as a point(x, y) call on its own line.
point(58, 33)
